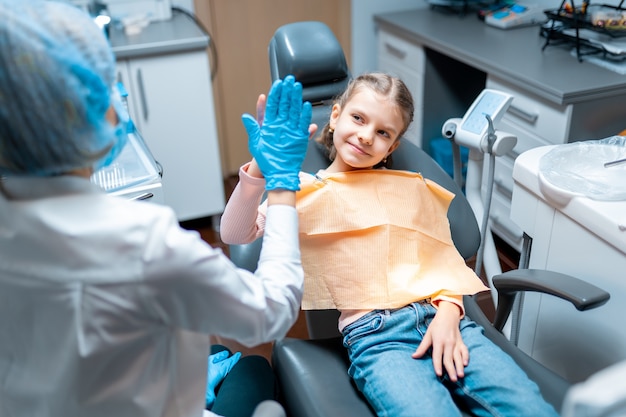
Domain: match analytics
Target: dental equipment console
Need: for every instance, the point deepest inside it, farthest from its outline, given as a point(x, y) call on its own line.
point(476, 131)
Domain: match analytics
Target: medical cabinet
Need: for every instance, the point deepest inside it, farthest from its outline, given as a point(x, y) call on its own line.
point(166, 71)
point(582, 237)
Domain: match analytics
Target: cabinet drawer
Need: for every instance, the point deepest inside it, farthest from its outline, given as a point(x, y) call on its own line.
point(546, 120)
point(525, 139)
point(501, 223)
point(393, 48)
point(503, 177)
point(414, 82)
point(405, 61)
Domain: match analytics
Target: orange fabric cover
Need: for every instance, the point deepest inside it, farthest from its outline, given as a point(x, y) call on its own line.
point(374, 239)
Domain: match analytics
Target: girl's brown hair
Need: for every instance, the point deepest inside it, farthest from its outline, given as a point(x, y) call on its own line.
point(383, 84)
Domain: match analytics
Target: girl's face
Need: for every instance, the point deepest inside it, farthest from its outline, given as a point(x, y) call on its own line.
point(366, 131)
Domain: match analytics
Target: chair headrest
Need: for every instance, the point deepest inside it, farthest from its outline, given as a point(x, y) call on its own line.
point(309, 51)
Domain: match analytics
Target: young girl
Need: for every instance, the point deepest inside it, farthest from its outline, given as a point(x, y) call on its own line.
point(376, 245)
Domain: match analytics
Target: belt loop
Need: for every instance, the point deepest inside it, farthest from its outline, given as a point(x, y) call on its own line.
point(416, 310)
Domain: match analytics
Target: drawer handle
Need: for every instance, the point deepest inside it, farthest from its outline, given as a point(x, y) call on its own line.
point(142, 95)
point(144, 196)
point(397, 52)
point(523, 114)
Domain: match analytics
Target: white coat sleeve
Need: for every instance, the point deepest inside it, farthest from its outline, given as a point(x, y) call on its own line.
point(196, 287)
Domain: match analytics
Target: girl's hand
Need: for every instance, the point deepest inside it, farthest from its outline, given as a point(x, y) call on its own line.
point(444, 337)
point(260, 115)
point(280, 144)
point(253, 168)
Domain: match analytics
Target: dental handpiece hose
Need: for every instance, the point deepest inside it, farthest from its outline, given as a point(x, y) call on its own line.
point(491, 139)
point(485, 219)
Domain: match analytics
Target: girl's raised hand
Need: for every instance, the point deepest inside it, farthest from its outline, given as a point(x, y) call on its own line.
point(279, 145)
point(253, 168)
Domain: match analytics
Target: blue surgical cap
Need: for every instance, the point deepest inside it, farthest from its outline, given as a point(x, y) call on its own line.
point(57, 76)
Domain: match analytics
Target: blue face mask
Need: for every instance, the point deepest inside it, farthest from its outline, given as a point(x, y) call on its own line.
point(121, 131)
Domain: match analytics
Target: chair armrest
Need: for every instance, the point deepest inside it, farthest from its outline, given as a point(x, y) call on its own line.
point(314, 380)
point(553, 387)
point(583, 295)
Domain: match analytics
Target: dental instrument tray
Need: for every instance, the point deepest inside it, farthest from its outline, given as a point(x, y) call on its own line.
point(135, 165)
point(592, 29)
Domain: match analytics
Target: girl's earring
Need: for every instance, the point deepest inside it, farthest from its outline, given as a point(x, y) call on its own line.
point(331, 130)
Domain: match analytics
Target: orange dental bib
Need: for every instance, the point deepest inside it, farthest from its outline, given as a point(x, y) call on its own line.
point(376, 239)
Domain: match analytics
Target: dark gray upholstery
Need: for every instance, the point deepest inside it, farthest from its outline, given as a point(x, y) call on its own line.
point(310, 52)
point(312, 373)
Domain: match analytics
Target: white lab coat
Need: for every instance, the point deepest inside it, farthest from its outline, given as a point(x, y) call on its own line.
point(106, 304)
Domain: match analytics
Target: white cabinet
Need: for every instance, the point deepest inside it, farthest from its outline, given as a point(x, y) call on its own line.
point(583, 238)
point(405, 60)
point(171, 102)
point(536, 122)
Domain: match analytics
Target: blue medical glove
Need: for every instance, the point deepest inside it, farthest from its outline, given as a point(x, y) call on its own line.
point(279, 145)
point(220, 365)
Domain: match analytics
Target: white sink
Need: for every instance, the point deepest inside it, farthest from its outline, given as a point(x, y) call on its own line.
point(578, 169)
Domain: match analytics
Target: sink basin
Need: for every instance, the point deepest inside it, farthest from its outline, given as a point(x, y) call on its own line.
point(577, 169)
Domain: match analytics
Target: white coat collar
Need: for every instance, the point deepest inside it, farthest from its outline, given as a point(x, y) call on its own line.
point(30, 188)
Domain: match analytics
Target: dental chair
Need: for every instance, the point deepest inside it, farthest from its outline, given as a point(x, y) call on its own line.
point(313, 374)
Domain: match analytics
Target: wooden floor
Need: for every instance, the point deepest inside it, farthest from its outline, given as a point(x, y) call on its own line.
point(509, 259)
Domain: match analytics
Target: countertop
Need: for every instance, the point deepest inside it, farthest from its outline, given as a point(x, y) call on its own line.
point(178, 34)
point(514, 55)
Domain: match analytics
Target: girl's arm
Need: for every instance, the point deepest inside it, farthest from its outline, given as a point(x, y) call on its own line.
point(242, 220)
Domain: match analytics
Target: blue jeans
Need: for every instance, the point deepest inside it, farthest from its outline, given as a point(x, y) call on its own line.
point(380, 345)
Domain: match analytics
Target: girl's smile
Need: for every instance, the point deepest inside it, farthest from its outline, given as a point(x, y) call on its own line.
point(358, 149)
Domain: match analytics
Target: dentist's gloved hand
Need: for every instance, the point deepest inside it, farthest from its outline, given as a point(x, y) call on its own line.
point(220, 365)
point(279, 145)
